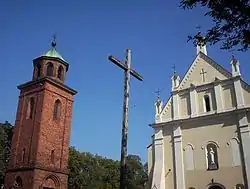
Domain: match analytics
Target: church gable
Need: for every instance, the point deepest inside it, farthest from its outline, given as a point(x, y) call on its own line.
point(167, 111)
point(202, 71)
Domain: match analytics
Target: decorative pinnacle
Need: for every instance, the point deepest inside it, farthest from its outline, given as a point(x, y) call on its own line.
point(53, 43)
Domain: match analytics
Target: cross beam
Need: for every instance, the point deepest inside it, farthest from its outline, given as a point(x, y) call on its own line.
point(127, 72)
point(125, 67)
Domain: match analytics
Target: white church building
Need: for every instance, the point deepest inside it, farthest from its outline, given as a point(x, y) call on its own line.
point(201, 135)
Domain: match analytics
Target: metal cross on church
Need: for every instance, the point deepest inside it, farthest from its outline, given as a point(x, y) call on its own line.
point(157, 92)
point(127, 72)
point(203, 74)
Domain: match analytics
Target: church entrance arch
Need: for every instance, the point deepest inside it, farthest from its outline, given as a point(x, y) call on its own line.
point(215, 187)
point(51, 182)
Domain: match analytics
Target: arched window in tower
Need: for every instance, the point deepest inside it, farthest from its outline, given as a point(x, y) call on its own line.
point(30, 108)
point(207, 103)
point(212, 156)
point(50, 69)
point(60, 73)
point(57, 110)
point(38, 67)
point(52, 156)
point(23, 154)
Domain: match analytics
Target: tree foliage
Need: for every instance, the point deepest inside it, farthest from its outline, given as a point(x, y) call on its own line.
point(96, 172)
point(231, 22)
point(5, 144)
point(86, 171)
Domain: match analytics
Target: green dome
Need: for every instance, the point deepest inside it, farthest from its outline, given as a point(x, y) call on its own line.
point(53, 54)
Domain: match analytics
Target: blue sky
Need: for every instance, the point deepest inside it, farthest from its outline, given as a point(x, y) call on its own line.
point(87, 32)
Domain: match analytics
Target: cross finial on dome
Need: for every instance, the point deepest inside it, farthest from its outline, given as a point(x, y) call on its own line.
point(53, 43)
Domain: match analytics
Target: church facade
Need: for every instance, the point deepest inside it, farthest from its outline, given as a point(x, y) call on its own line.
point(201, 135)
point(40, 142)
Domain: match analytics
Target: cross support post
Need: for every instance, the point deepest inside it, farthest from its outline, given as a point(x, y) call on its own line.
point(127, 72)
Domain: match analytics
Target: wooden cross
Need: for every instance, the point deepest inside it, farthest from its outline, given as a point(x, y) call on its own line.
point(203, 74)
point(127, 72)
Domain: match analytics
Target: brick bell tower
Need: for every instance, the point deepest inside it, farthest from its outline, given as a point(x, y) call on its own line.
point(39, 151)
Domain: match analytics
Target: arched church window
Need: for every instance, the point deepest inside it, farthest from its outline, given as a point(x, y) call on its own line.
point(23, 154)
point(57, 110)
point(189, 154)
point(52, 156)
point(38, 66)
point(207, 103)
point(50, 69)
point(212, 156)
point(30, 108)
point(60, 73)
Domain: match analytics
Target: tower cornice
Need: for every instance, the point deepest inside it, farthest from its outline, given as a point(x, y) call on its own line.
point(51, 81)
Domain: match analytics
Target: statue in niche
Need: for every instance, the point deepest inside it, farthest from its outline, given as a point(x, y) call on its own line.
point(211, 153)
point(212, 157)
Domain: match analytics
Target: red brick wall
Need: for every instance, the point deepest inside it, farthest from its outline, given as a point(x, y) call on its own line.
point(26, 176)
point(39, 136)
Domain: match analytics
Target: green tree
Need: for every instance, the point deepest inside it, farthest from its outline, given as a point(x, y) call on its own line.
point(76, 179)
point(111, 174)
point(136, 175)
point(231, 22)
point(86, 171)
point(96, 172)
point(5, 145)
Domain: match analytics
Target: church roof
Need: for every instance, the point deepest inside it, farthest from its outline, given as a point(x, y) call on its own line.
point(185, 82)
point(52, 53)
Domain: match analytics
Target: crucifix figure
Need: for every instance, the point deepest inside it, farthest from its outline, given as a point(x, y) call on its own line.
point(127, 72)
point(203, 74)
